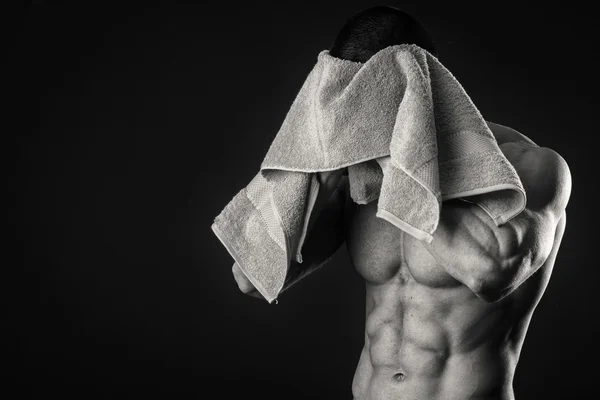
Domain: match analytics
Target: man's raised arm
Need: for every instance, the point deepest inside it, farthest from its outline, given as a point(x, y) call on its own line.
point(325, 232)
point(494, 260)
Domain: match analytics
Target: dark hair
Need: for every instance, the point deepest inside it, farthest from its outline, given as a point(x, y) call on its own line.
point(376, 28)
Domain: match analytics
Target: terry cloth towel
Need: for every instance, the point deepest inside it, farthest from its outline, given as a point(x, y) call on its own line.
point(410, 136)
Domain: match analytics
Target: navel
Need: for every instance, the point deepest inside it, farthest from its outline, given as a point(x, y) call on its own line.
point(399, 377)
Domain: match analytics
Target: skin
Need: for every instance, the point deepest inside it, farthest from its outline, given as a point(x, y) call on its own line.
point(447, 320)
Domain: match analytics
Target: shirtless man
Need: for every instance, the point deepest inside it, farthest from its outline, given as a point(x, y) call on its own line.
point(445, 320)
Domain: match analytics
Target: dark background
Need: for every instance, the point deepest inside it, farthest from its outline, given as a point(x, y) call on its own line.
point(142, 123)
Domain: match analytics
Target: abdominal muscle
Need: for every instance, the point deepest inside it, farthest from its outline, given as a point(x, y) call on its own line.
point(427, 336)
point(422, 347)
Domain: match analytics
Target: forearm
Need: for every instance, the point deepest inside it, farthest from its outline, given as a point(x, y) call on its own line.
point(328, 198)
point(325, 231)
point(323, 236)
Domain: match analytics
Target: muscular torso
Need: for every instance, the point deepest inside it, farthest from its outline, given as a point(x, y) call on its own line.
point(427, 335)
point(446, 320)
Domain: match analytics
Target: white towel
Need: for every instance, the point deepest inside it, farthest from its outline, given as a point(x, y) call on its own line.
point(410, 136)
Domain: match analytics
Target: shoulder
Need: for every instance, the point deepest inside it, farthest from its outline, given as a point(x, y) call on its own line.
point(504, 134)
point(544, 173)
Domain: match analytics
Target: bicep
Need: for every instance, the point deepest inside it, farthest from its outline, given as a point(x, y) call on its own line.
point(525, 243)
point(491, 260)
point(494, 260)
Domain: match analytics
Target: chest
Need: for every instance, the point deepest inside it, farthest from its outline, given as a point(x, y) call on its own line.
point(381, 252)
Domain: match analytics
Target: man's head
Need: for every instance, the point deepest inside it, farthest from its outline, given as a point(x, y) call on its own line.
point(376, 28)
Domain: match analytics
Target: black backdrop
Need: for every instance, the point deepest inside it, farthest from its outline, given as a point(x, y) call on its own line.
point(142, 123)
